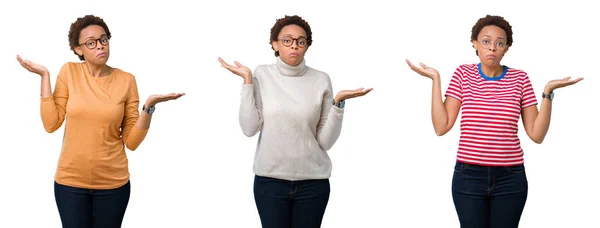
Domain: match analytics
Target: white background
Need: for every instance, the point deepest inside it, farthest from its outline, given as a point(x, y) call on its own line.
point(389, 167)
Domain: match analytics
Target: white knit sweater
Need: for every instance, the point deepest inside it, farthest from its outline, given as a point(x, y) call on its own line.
point(291, 107)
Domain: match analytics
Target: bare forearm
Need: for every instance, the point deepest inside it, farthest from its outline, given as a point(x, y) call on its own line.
point(439, 114)
point(143, 122)
point(46, 88)
point(542, 121)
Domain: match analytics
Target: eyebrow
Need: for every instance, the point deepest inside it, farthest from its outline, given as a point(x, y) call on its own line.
point(94, 36)
point(491, 36)
point(293, 36)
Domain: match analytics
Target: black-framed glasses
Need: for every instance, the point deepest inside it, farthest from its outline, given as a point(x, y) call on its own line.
point(288, 41)
point(486, 43)
point(91, 43)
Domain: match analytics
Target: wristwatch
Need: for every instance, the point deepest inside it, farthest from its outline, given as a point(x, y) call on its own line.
point(339, 104)
point(549, 96)
point(148, 110)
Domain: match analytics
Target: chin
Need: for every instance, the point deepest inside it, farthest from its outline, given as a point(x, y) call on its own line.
point(295, 61)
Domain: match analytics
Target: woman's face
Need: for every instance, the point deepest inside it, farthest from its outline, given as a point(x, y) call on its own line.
point(291, 44)
point(94, 45)
point(491, 45)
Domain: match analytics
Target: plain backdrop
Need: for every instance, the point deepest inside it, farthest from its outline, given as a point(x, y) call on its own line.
point(194, 168)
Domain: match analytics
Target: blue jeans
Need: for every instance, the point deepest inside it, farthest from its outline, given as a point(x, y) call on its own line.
point(290, 204)
point(489, 197)
point(91, 208)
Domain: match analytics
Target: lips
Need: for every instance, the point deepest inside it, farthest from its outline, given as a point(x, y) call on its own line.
point(99, 55)
point(490, 56)
point(293, 54)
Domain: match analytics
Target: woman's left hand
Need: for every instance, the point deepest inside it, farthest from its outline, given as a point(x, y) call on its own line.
point(347, 94)
point(157, 98)
point(559, 83)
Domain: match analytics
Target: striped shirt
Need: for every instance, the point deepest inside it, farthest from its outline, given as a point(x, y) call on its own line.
point(491, 108)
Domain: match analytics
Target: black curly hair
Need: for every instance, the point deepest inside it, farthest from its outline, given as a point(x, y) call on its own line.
point(290, 20)
point(80, 24)
point(492, 20)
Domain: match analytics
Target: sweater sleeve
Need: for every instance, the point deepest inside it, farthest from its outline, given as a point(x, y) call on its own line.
point(250, 116)
point(131, 134)
point(54, 107)
point(330, 122)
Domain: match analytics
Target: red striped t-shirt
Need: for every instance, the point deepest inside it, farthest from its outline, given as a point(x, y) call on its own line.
point(491, 109)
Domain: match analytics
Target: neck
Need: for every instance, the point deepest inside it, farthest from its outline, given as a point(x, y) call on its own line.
point(96, 70)
point(492, 71)
point(289, 70)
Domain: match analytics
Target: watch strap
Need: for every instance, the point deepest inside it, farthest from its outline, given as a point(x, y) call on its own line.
point(148, 110)
point(340, 104)
point(549, 96)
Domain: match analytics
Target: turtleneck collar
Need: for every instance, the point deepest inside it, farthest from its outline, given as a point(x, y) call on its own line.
point(291, 71)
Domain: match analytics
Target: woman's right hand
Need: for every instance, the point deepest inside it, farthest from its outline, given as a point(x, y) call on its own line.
point(425, 70)
point(33, 67)
point(239, 70)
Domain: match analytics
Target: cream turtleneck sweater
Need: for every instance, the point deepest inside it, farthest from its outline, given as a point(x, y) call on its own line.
point(291, 107)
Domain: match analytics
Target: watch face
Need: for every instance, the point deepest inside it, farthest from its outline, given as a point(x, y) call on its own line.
point(148, 110)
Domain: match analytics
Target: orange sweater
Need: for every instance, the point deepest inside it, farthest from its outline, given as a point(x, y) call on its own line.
point(101, 113)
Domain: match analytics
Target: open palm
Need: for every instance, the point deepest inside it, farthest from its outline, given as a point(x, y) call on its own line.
point(347, 94)
point(157, 98)
point(238, 69)
point(32, 67)
point(559, 83)
point(424, 70)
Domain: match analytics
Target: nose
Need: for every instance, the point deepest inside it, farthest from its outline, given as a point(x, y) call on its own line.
point(294, 44)
point(99, 45)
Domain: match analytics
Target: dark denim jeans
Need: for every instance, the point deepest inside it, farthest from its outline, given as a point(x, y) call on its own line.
point(90, 208)
point(489, 197)
point(291, 204)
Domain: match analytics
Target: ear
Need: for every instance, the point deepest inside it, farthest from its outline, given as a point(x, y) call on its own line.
point(79, 51)
point(475, 44)
point(275, 45)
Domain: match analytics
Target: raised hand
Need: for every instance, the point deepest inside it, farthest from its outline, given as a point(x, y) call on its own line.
point(238, 69)
point(425, 70)
point(157, 98)
point(347, 94)
point(559, 83)
point(32, 67)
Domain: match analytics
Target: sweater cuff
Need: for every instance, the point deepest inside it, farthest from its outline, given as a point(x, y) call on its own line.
point(337, 111)
point(247, 90)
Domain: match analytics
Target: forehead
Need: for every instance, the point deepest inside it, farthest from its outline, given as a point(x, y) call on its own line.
point(92, 31)
point(492, 31)
point(293, 30)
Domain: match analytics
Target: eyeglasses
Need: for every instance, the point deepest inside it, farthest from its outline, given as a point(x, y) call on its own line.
point(91, 43)
point(288, 41)
point(485, 43)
